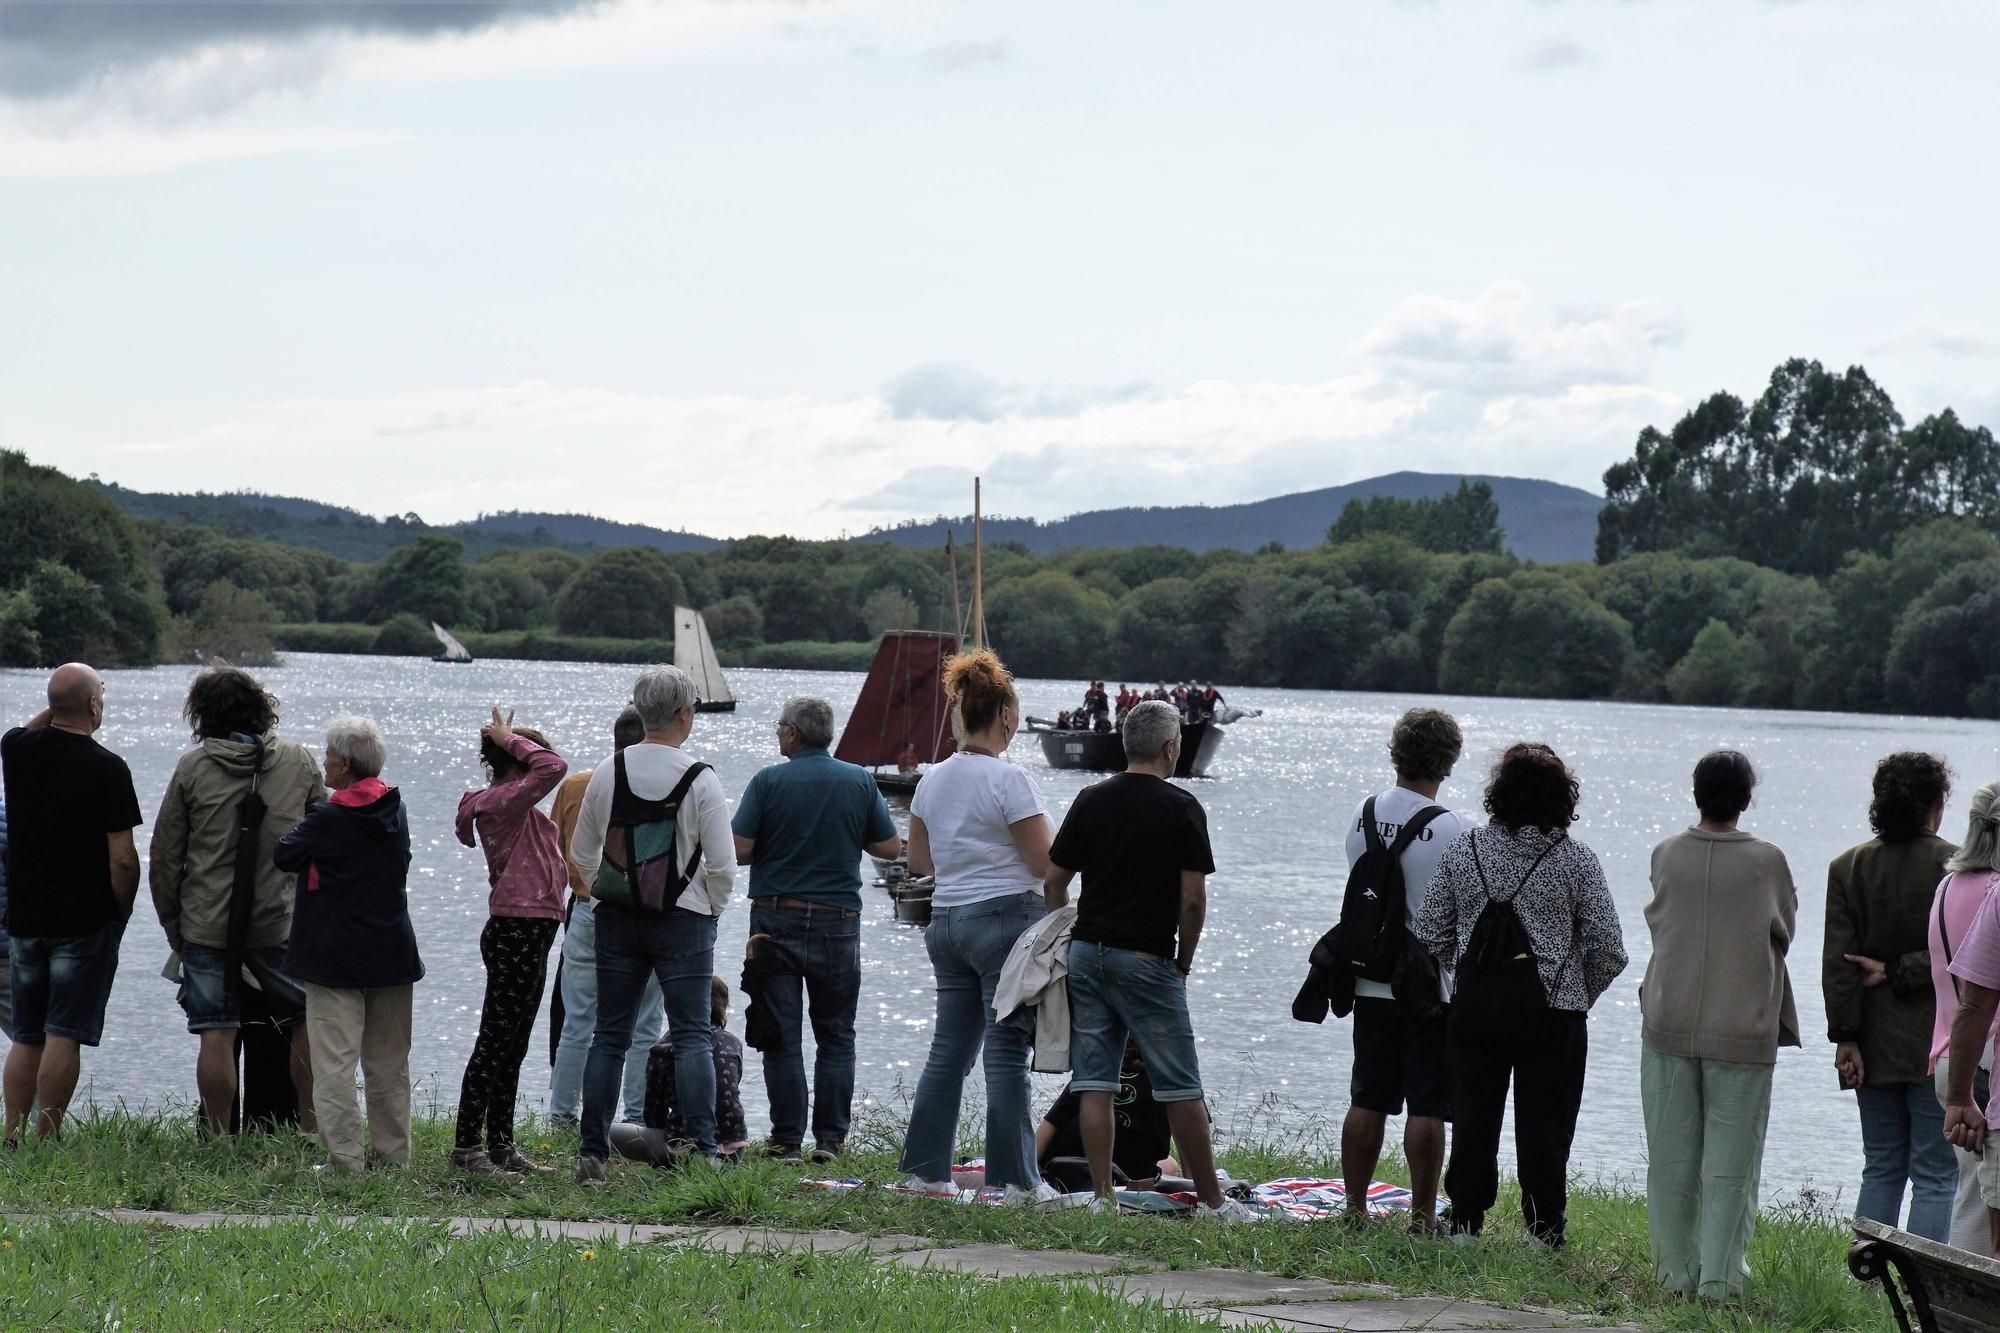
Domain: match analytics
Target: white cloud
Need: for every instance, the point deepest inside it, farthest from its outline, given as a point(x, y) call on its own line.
point(1932, 335)
point(1504, 339)
point(957, 57)
point(1553, 56)
point(948, 391)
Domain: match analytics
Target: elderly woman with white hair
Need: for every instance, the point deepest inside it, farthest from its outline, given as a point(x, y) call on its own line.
point(652, 839)
point(353, 949)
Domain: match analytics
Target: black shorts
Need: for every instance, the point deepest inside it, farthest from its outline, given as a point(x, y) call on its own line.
point(1397, 1059)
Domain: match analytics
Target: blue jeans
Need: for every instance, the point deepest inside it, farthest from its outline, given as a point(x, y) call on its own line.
point(1902, 1139)
point(1115, 991)
point(817, 954)
point(678, 947)
point(968, 946)
point(579, 997)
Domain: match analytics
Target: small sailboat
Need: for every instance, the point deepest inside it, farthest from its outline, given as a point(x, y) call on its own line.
point(694, 653)
point(902, 721)
point(453, 650)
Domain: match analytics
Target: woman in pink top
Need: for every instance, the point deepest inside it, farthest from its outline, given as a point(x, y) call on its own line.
point(1974, 873)
point(524, 864)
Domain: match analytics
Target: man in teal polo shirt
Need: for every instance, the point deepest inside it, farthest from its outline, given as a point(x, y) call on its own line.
point(801, 828)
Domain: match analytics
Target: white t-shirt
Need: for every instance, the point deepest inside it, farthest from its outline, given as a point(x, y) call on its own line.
point(1420, 859)
point(968, 804)
point(653, 771)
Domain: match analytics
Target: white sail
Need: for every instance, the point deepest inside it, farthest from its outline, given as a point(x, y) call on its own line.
point(454, 651)
point(694, 653)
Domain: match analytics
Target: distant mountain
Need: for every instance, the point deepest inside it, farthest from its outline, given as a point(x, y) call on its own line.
point(1544, 520)
point(353, 535)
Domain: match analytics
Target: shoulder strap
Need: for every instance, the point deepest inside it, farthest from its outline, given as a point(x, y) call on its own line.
point(680, 791)
point(1369, 832)
point(1414, 829)
point(620, 788)
point(1532, 869)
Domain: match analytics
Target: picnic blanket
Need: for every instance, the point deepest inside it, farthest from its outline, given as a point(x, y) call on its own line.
point(1291, 1198)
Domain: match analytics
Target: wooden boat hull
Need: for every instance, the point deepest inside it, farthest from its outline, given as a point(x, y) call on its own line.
point(716, 706)
point(897, 784)
point(1104, 751)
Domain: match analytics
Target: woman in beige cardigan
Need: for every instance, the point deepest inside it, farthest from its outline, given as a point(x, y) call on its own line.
point(1717, 1003)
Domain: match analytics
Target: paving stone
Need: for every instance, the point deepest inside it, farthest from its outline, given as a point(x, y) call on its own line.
point(1008, 1261)
point(1385, 1316)
point(736, 1240)
point(1227, 1286)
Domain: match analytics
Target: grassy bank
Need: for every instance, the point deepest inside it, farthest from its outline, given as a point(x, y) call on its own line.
point(72, 1273)
point(1798, 1258)
point(535, 645)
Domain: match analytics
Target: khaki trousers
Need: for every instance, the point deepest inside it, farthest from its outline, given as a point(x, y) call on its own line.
point(370, 1028)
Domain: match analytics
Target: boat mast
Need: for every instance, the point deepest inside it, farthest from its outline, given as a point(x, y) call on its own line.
point(957, 613)
point(978, 599)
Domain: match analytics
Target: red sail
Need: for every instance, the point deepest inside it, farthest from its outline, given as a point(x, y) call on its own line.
point(901, 717)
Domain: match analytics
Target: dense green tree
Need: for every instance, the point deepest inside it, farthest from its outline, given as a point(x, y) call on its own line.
point(20, 644)
point(406, 635)
point(1151, 636)
point(230, 623)
point(426, 579)
point(1718, 667)
point(1048, 624)
point(1536, 634)
point(47, 518)
point(735, 621)
point(73, 617)
point(1945, 656)
point(1462, 522)
point(1323, 641)
point(800, 602)
point(627, 593)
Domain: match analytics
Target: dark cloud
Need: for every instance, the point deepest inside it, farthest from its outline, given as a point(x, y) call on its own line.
point(49, 49)
point(1554, 56)
point(948, 391)
point(956, 57)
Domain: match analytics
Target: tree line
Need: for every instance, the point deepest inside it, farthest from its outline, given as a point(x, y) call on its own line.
point(1875, 582)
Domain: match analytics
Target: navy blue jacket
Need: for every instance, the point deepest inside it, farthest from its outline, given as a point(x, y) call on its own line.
point(351, 915)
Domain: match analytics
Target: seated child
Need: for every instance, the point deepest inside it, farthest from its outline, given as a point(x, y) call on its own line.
point(653, 1142)
point(1141, 1141)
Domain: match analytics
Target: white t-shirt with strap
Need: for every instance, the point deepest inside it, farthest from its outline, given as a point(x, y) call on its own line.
point(969, 804)
point(1394, 808)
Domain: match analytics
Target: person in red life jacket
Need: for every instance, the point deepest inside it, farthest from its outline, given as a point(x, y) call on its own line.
point(529, 875)
point(352, 948)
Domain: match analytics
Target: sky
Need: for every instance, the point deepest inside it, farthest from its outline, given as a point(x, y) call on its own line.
point(741, 266)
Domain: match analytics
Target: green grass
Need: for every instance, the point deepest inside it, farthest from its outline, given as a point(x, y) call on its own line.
point(1798, 1255)
point(74, 1273)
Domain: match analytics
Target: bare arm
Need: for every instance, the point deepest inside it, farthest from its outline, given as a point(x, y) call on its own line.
point(1964, 1120)
point(1055, 886)
point(1194, 910)
point(1032, 838)
point(888, 849)
point(124, 867)
point(920, 849)
point(745, 848)
point(40, 719)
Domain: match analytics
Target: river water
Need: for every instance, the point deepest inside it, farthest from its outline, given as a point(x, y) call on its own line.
point(1278, 798)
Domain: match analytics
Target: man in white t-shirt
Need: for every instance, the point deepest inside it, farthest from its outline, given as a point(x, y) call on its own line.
point(1397, 1056)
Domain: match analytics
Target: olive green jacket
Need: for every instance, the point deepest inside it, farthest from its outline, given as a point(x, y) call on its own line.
point(1878, 902)
point(193, 856)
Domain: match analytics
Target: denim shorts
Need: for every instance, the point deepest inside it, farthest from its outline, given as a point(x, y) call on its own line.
point(62, 983)
point(1115, 991)
point(209, 1007)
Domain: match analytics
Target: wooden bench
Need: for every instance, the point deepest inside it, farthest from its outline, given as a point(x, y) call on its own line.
point(1931, 1287)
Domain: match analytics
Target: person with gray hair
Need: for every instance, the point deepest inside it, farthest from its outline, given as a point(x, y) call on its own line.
point(1972, 876)
point(353, 949)
point(801, 827)
point(1401, 1055)
point(1141, 844)
point(73, 872)
point(652, 840)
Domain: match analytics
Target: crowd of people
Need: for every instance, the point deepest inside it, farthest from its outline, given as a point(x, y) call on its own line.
point(1195, 702)
point(1468, 953)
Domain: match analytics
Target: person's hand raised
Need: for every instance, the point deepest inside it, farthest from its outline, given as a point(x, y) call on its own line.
point(499, 729)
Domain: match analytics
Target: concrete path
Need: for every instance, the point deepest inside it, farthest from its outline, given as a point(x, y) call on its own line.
point(1233, 1298)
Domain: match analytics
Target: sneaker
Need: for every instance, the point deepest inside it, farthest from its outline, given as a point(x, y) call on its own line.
point(590, 1170)
point(512, 1160)
point(825, 1154)
point(475, 1162)
point(773, 1151)
point(935, 1189)
point(1020, 1196)
point(334, 1170)
point(1232, 1210)
point(1101, 1205)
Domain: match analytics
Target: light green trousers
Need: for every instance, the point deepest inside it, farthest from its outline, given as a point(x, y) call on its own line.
point(1705, 1123)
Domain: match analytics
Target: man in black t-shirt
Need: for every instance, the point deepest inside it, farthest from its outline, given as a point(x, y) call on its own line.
point(72, 871)
point(1141, 844)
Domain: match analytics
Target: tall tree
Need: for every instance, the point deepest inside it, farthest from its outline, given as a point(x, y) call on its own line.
point(1461, 522)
